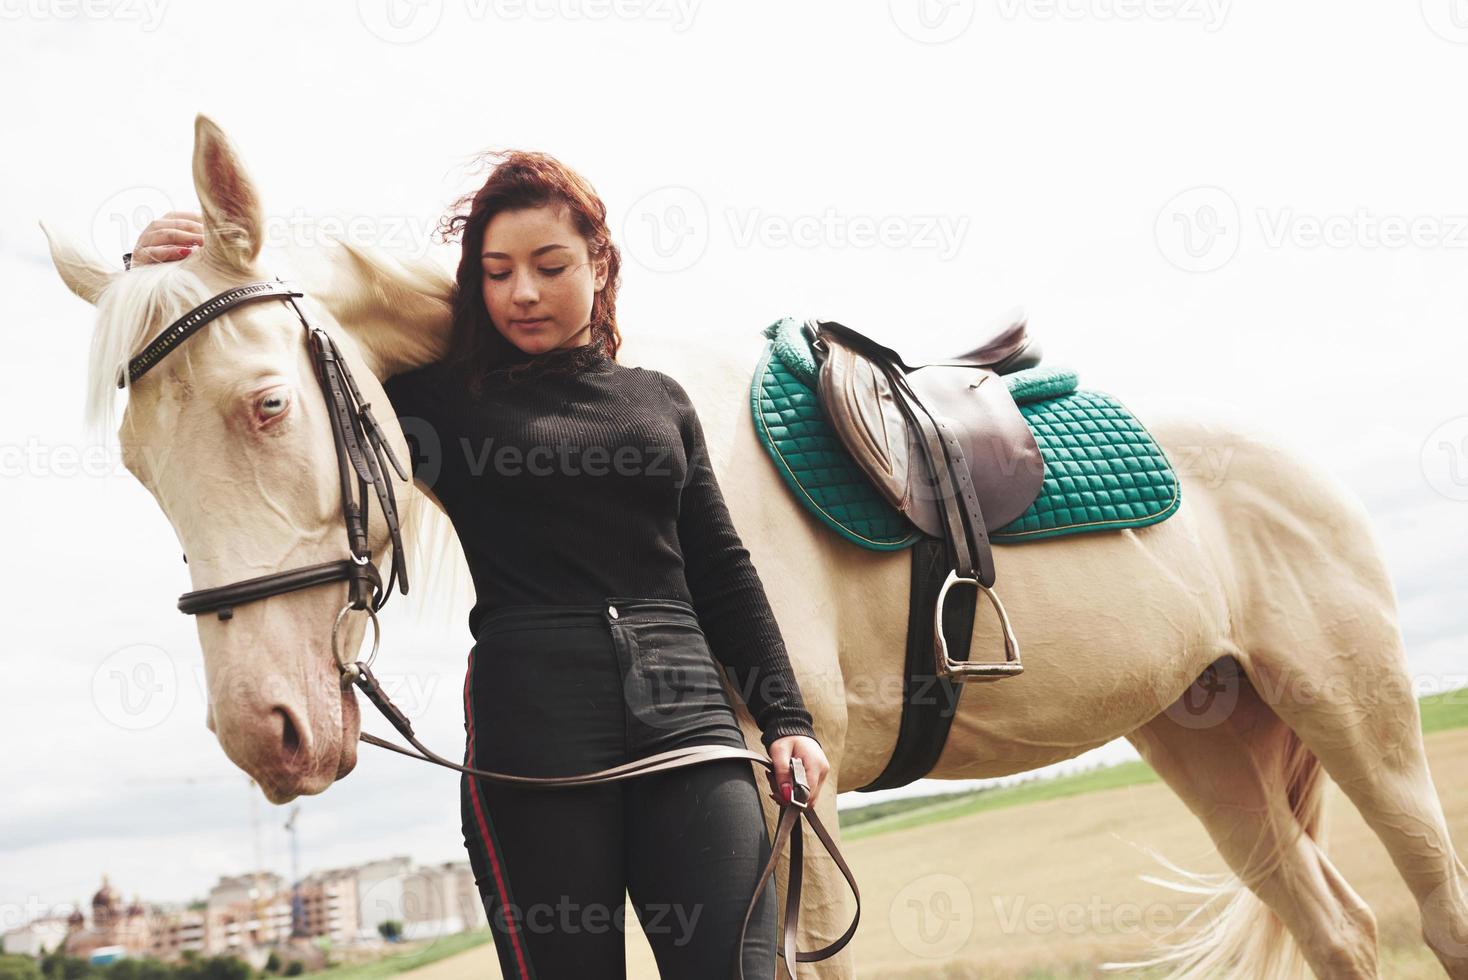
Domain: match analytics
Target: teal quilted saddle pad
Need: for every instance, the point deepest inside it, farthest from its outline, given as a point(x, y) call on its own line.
point(1103, 470)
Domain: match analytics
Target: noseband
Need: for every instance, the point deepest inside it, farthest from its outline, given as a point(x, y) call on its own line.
point(355, 431)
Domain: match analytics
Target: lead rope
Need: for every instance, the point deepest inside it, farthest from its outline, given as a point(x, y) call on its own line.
point(788, 826)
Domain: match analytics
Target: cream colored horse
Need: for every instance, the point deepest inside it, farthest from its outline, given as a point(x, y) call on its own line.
point(1269, 571)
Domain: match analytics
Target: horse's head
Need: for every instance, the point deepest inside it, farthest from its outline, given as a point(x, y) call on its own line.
point(230, 433)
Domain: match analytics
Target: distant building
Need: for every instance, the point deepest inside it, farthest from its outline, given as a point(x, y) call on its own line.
point(430, 901)
point(183, 929)
point(116, 929)
point(245, 911)
point(244, 889)
point(380, 893)
point(329, 905)
point(37, 937)
point(246, 915)
point(441, 899)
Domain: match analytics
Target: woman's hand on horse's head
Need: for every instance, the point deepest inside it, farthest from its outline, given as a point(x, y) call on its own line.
point(811, 756)
point(170, 237)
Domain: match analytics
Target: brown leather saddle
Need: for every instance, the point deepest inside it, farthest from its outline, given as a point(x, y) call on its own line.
point(945, 444)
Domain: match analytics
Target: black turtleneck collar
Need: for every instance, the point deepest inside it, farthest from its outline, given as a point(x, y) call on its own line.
point(595, 351)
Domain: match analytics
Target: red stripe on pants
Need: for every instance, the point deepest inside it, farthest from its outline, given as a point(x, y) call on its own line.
point(484, 835)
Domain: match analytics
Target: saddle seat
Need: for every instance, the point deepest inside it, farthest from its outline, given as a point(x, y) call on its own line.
point(1006, 348)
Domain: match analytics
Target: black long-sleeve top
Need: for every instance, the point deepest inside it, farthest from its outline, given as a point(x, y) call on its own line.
point(569, 488)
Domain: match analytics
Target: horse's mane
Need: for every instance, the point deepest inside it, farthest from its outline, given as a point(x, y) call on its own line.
point(132, 309)
point(438, 576)
point(138, 304)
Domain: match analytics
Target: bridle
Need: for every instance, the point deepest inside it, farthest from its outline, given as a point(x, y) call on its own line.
point(354, 430)
point(360, 446)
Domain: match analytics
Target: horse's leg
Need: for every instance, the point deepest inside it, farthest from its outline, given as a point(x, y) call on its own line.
point(1315, 627)
point(1257, 790)
point(1357, 712)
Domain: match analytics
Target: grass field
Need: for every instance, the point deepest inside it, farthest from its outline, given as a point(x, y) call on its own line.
point(1444, 711)
point(1043, 880)
point(414, 956)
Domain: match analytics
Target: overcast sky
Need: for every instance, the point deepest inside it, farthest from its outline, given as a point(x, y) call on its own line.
point(1247, 209)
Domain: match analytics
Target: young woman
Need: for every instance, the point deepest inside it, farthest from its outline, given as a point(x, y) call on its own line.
point(608, 578)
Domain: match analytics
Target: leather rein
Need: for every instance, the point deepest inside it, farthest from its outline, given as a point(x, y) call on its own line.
point(361, 445)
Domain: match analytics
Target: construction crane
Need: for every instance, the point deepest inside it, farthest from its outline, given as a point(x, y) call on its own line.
point(259, 901)
point(298, 905)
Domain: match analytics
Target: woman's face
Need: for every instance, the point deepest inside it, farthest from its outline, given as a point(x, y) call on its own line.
point(538, 280)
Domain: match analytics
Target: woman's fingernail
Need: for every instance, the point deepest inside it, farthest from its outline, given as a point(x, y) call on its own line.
point(184, 251)
point(785, 792)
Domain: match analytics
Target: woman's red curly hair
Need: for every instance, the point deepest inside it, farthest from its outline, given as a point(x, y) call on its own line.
point(525, 179)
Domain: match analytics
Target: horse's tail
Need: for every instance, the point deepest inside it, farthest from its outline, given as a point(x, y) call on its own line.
point(1245, 938)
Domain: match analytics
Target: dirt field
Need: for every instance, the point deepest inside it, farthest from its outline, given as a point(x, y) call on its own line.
point(1050, 890)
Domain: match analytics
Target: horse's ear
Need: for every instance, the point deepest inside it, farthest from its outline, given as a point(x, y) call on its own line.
point(83, 274)
point(234, 224)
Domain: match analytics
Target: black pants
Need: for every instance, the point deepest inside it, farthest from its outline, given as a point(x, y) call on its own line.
point(564, 690)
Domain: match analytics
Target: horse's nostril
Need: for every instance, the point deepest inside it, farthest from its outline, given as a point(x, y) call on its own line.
point(290, 737)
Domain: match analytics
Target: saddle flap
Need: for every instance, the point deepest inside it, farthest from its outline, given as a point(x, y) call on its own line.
point(859, 403)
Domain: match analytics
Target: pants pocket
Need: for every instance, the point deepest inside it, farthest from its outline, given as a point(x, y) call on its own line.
point(673, 681)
